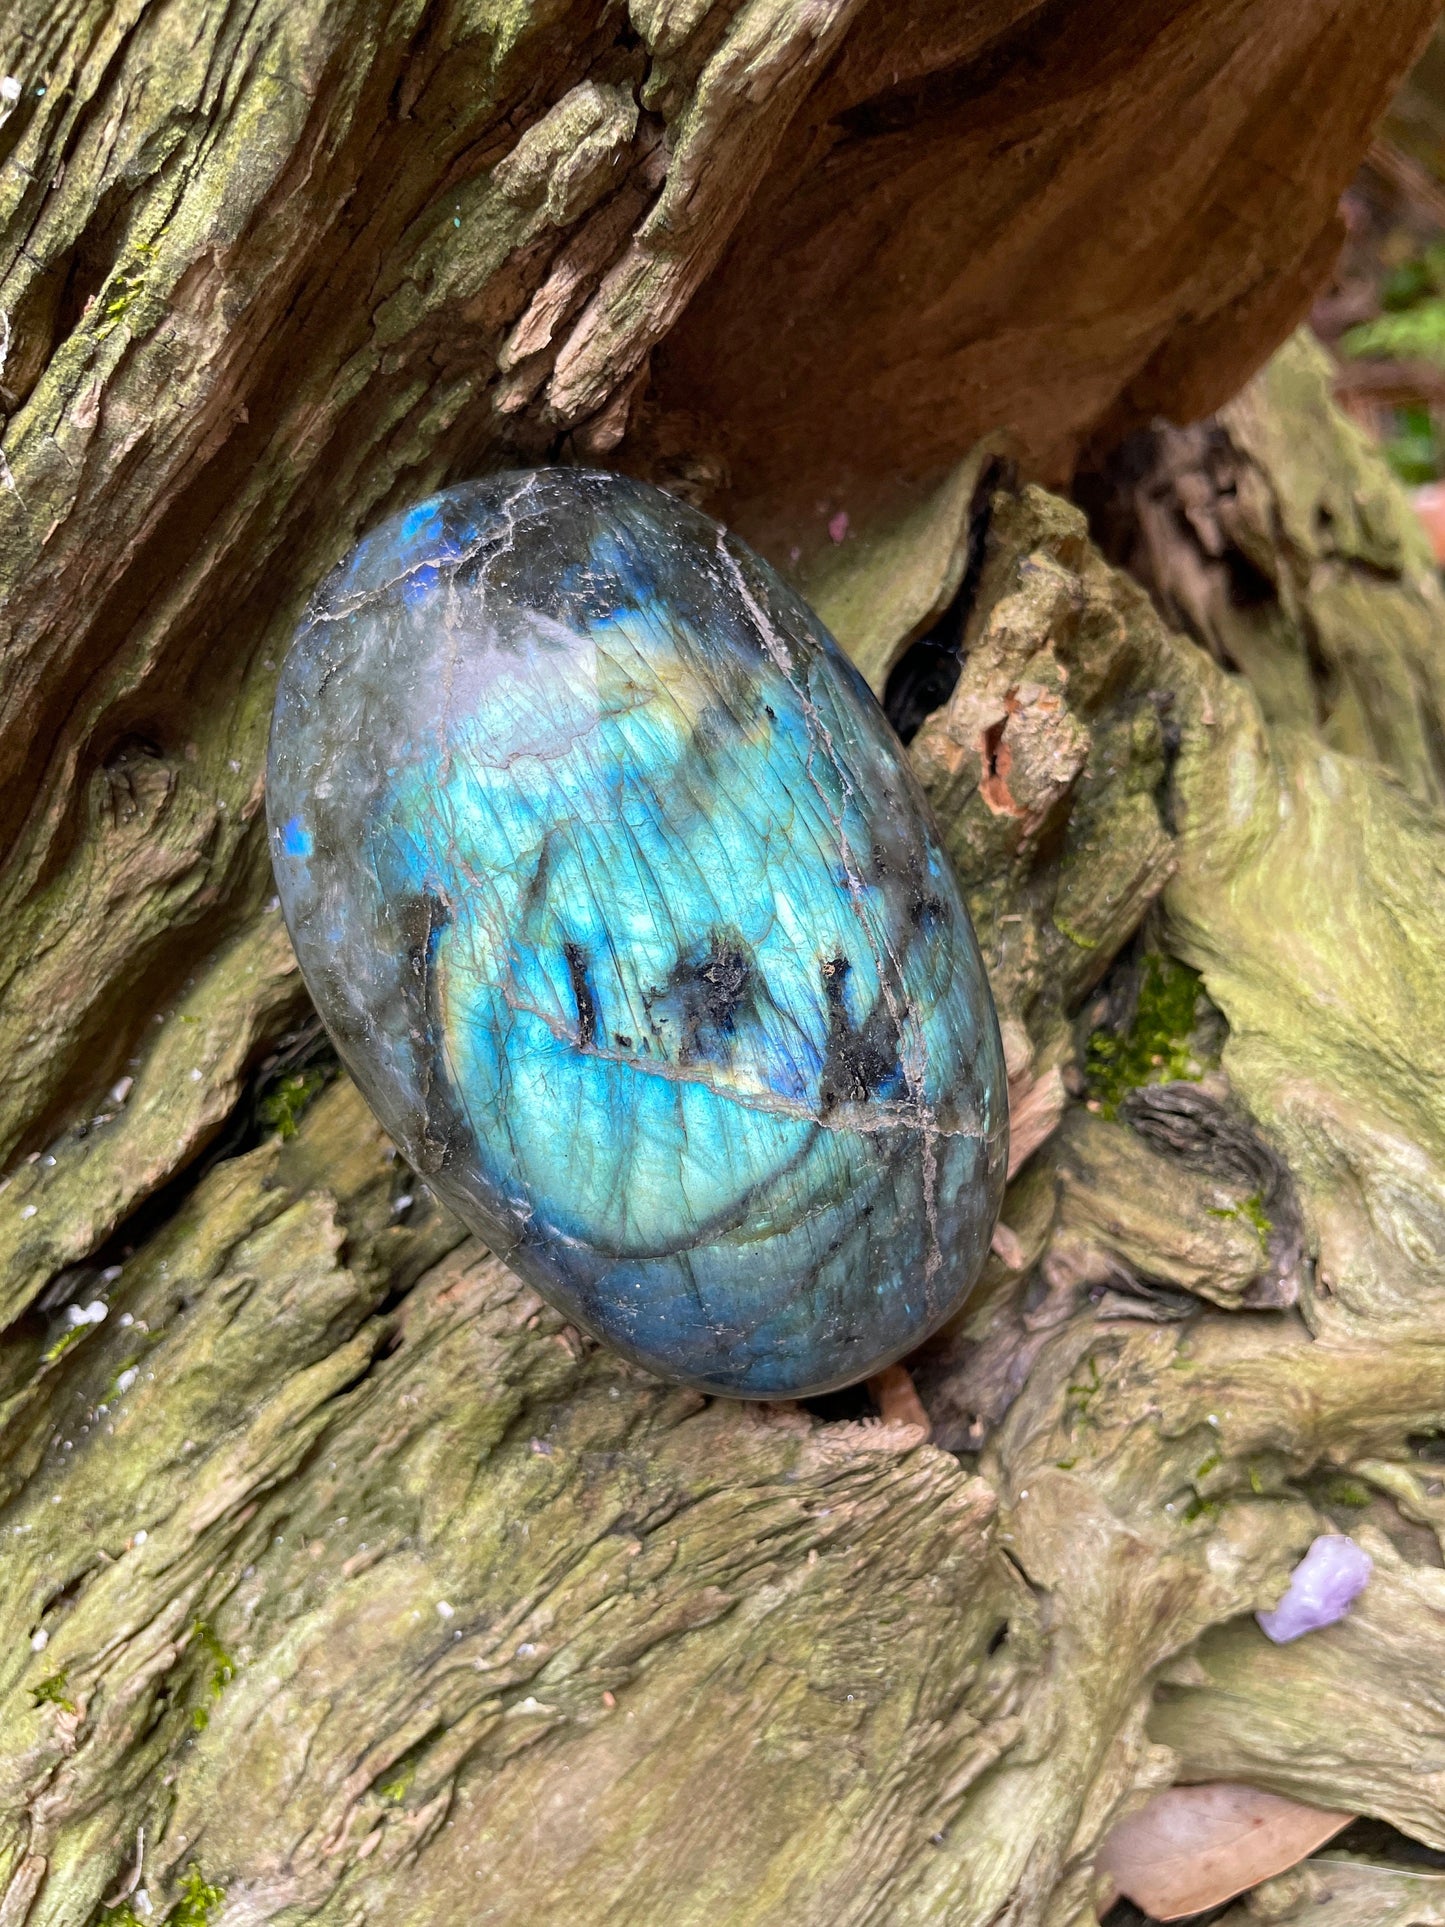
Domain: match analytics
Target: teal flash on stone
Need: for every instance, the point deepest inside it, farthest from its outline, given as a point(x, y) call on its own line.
point(613, 887)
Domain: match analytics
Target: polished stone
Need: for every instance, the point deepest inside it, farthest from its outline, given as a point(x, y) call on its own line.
point(613, 887)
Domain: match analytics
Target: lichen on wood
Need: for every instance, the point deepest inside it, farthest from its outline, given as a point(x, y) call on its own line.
point(427, 1513)
point(343, 1581)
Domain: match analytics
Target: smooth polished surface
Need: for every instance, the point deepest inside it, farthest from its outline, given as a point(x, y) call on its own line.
point(613, 887)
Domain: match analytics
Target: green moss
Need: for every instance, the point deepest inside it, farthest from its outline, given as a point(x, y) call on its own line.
point(1347, 1492)
point(223, 1667)
point(282, 1106)
point(1082, 1395)
point(1075, 937)
point(1416, 334)
point(1156, 1047)
point(1249, 1211)
point(1412, 329)
point(72, 1335)
point(198, 1901)
point(117, 296)
point(1253, 1211)
point(51, 1692)
point(1415, 280)
point(397, 1788)
point(1414, 451)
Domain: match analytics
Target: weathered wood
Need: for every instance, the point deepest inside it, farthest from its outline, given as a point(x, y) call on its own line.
point(439, 1610)
point(265, 271)
point(342, 1581)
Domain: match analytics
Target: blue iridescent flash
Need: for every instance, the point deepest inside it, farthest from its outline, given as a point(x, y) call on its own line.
point(614, 889)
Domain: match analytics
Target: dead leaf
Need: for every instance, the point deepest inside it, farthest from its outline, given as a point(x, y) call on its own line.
point(1193, 1847)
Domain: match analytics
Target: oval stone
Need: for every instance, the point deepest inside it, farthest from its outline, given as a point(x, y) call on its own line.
point(614, 889)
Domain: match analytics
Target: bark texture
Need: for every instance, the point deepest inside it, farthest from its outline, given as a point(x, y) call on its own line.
point(343, 1582)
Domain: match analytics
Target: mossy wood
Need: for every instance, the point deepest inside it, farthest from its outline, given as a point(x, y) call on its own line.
point(343, 1582)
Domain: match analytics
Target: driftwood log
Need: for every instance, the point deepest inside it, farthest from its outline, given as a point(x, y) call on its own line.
point(341, 1581)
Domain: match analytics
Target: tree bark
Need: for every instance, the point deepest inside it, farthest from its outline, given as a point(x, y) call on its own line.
point(344, 1581)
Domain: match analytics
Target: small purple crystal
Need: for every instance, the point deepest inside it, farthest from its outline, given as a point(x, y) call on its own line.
point(1331, 1574)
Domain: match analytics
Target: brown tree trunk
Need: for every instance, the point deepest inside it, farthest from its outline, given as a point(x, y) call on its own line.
point(342, 1581)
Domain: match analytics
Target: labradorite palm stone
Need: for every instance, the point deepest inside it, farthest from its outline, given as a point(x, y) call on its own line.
point(615, 892)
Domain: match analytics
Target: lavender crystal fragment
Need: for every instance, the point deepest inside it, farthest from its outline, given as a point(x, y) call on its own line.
point(1322, 1587)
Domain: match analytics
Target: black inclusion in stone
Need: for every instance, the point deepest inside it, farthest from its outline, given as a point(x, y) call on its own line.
point(582, 992)
point(860, 1059)
point(723, 980)
point(705, 997)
